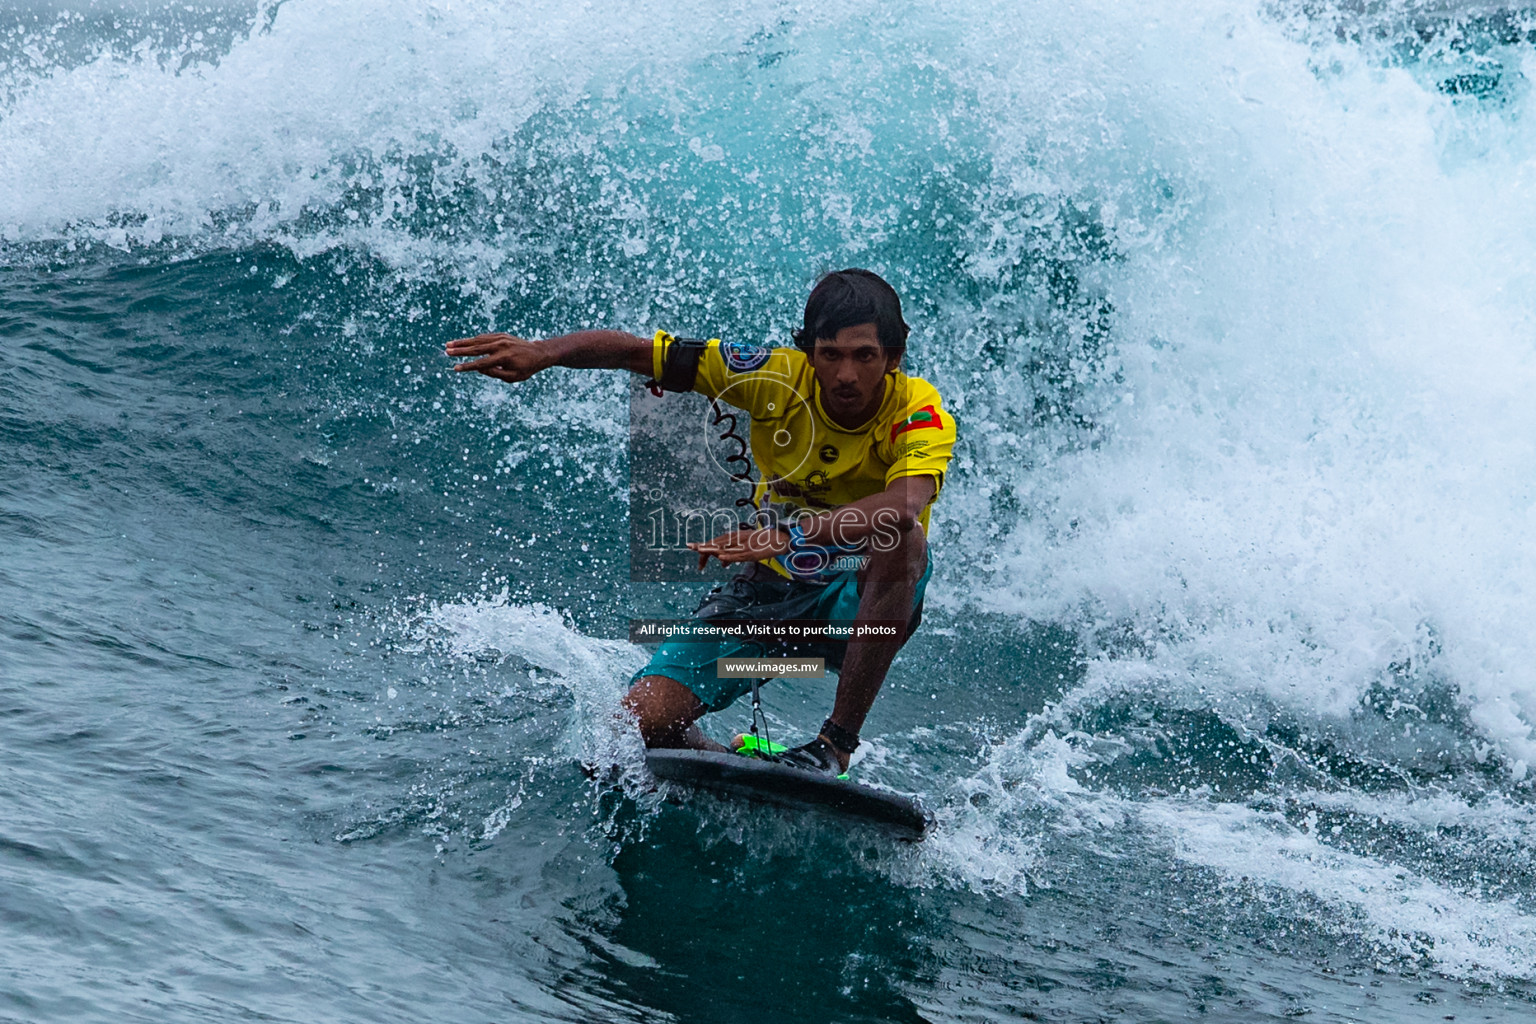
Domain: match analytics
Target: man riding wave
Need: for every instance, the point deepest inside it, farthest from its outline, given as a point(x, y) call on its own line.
point(850, 450)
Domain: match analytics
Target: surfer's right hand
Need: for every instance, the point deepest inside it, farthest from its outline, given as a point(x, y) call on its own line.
point(503, 356)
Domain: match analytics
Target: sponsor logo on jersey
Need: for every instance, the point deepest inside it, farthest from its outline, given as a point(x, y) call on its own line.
point(907, 449)
point(809, 496)
point(744, 356)
point(926, 418)
point(828, 453)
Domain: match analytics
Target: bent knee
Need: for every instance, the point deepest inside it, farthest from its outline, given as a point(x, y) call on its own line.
point(662, 707)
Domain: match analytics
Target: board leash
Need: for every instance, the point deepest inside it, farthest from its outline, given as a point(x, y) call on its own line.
point(763, 743)
point(742, 471)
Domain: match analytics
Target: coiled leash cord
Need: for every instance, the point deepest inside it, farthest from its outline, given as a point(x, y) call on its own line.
point(742, 473)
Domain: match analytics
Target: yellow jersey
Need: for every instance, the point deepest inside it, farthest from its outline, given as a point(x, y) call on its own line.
point(804, 459)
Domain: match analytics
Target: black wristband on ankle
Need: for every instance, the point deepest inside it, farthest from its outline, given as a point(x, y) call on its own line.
point(841, 738)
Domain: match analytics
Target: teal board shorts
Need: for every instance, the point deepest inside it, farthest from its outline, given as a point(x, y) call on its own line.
point(757, 592)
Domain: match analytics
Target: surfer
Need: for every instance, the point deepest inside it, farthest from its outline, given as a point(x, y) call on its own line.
point(851, 454)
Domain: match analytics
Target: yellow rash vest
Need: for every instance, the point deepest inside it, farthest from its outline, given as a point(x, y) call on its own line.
point(804, 459)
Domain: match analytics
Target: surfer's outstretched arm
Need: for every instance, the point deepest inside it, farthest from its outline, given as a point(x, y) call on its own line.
point(512, 359)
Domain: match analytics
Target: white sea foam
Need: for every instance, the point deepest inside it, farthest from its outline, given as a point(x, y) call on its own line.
point(280, 123)
point(989, 829)
point(541, 635)
point(1318, 460)
point(1492, 818)
point(993, 826)
point(1390, 906)
point(593, 670)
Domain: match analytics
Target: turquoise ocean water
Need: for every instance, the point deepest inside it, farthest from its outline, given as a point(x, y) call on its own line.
point(1225, 698)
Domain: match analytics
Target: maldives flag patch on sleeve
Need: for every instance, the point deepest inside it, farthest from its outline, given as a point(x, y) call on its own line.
point(926, 418)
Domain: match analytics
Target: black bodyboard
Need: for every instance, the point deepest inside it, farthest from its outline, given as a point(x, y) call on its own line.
point(785, 786)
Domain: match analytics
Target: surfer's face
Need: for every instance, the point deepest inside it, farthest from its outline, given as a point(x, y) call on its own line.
point(850, 371)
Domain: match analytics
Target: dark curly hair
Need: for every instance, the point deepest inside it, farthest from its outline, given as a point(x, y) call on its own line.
point(847, 298)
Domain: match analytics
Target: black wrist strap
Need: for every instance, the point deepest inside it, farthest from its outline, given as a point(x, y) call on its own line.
point(680, 368)
point(839, 737)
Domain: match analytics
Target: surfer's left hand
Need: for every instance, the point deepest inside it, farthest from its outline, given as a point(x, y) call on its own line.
point(742, 546)
point(503, 356)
